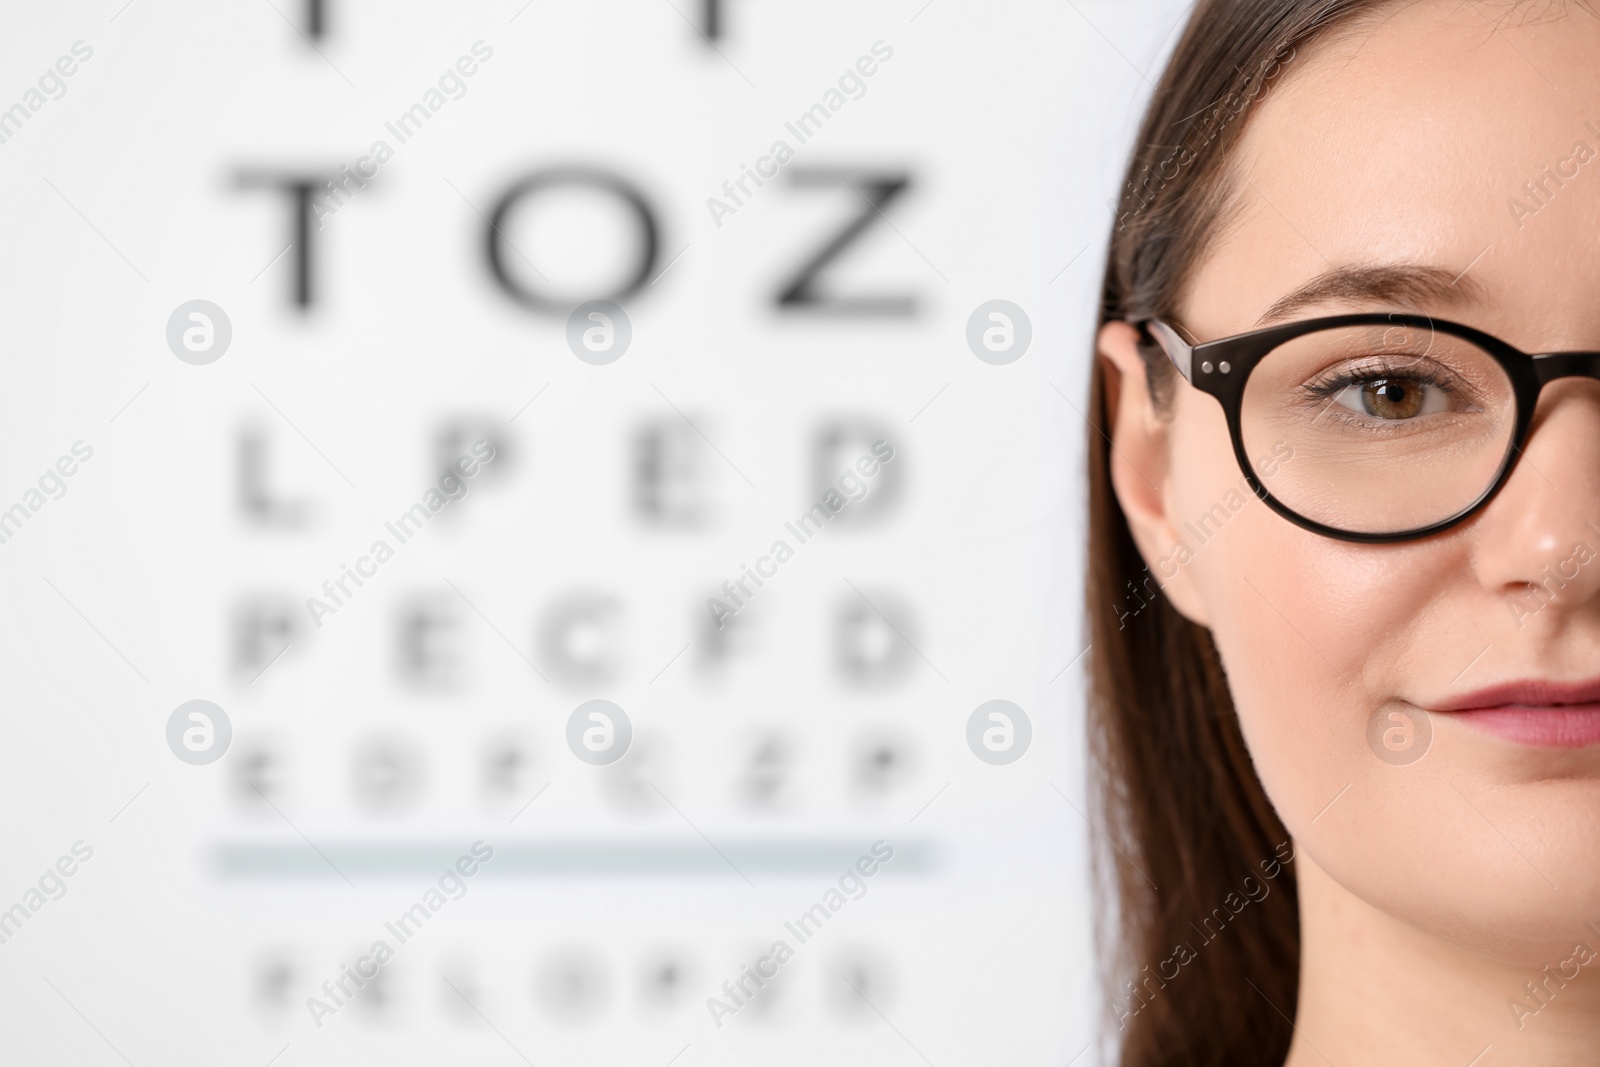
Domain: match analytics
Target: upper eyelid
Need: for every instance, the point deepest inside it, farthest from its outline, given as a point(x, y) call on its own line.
point(1350, 376)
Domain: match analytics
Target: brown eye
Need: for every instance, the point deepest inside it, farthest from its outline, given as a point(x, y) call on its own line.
point(1392, 398)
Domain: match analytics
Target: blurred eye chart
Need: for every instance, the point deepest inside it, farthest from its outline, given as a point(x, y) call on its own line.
point(550, 532)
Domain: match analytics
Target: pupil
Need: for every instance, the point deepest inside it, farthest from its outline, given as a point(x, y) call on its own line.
point(1394, 400)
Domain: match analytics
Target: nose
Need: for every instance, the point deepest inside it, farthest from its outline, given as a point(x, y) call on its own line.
point(1538, 541)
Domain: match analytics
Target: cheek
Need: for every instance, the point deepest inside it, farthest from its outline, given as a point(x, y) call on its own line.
point(1311, 631)
point(1309, 634)
point(1314, 633)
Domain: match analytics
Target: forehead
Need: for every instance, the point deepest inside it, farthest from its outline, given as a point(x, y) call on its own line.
point(1459, 136)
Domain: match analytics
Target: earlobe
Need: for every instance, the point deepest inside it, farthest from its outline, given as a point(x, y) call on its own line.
point(1140, 465)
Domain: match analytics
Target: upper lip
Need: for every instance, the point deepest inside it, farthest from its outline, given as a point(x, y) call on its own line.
point(1536, 692)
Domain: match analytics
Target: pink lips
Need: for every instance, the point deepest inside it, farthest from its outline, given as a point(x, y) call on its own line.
point(1537, 712)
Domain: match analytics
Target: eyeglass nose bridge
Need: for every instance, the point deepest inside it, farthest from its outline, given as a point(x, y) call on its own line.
point(1550, 366)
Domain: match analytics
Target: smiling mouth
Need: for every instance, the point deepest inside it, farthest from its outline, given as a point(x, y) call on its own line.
point(1535, 712)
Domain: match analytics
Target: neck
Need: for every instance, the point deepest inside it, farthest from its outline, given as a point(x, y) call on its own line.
point(1374, 989)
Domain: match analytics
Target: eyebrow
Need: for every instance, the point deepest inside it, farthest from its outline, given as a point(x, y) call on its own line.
point(1411, 285)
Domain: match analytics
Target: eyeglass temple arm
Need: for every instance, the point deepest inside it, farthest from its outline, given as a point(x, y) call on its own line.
point(1177, 349)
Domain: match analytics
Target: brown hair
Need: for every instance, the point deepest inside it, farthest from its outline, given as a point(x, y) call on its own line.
point(1174, 789)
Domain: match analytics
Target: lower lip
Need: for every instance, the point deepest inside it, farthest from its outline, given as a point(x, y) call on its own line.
point(1566, 726)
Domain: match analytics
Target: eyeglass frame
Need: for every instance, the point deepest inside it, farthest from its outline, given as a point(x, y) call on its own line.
point(1222, 367)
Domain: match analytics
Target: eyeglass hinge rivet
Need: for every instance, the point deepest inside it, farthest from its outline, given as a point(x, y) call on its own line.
point(1206, 366)
point(1224, 367)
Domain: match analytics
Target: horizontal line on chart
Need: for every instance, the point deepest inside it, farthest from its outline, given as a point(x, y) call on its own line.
point(564, 857)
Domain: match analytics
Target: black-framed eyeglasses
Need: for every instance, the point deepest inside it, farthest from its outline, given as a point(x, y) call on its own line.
point(1375, 426)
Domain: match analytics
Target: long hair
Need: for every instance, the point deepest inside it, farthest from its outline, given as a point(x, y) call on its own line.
point(1173, 787)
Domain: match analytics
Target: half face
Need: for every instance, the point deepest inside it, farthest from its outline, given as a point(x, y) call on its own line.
point(1425, 716)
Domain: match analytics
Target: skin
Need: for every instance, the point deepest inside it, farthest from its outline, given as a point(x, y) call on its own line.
point(1429, 892)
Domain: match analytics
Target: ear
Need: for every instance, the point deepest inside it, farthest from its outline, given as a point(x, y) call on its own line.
point(1141, 468)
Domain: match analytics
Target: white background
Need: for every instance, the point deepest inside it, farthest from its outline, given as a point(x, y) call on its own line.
point(1013, 120)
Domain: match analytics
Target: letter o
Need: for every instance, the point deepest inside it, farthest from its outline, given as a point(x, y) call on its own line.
point(605, 181)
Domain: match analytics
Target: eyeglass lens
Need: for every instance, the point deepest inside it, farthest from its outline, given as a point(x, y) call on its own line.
point(1377, 429)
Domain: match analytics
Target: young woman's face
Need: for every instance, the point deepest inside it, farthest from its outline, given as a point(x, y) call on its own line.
point(1406, 143)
